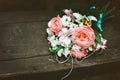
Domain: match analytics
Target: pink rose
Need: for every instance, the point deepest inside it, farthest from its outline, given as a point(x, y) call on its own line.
point(78, 54)
point(56, 25)
point(84, 36)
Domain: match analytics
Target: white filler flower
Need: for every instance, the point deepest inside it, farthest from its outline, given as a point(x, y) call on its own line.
point(66, 20)
point(54, 41)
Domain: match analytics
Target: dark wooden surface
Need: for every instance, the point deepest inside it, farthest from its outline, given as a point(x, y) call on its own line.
point(24, 49)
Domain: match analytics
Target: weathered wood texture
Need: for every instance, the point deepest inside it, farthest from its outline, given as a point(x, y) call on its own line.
point(17, 5)
point(24, 48)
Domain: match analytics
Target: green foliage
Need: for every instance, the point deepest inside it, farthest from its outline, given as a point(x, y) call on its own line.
point(98, 32)
point(84, 9)
point(56, 49)
point(107, 13)
point(98, 38)
point(104, 8)
point(96, 29)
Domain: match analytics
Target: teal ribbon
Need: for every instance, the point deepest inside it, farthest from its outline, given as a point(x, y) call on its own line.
point(99, 23)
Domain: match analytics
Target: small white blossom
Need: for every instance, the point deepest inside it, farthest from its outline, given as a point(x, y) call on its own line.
point(90, 48)
point(66, 52)
point(49, 23)
point(64, 31)
point(49, 31)
point(66, 20)
point(78, 16)
point(81, 24)
point(98, 47)
point(92, 18)
point(75, 47)
point(85, 17)
point(60, 52)
point(65, 41)
point(73, 25)
point(54, 41)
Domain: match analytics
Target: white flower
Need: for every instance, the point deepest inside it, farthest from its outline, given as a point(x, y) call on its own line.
point(49, 23)
point(54, 41)
point(75, 47)
point(78, 17)
point(66, 20)
point(81, 24)
point(104, 41)
point(98, 47)
point(65, 41)
point(90, 48)
point(92, 18)
point(72, 25)
point(49, 31)
point(66, 52)
point(60, 52)
point(64, 31)
point(85, 17)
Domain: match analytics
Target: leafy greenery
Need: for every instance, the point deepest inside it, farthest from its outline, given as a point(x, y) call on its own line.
point(98, 38)
point(96, 29)
point(56, 49)
point(107, 13)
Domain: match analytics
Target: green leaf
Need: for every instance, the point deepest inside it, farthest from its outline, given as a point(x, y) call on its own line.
point(95, 28)
point(98, 38)
point(56, 49)
point(59, 47)
point(104, 9)
point(111, 16)
point(108, 12)
point(52, 50)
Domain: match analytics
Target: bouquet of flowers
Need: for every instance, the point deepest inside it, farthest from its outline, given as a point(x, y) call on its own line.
point(75, 34)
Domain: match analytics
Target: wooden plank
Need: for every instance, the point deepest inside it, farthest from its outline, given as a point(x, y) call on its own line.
point(17, 5)
point(22, 34)
point(23, 40)
point(24, 48)
point(25, 16)
point(42, 64)
point(88, 73)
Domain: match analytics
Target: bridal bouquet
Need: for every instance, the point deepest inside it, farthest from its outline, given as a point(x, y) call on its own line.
point(75, 34)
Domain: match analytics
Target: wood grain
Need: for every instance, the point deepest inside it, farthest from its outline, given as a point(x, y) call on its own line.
point(24, 46)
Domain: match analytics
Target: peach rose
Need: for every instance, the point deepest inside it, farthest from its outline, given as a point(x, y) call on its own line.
point(78, 54)
point(56, 25)
point(84, 36)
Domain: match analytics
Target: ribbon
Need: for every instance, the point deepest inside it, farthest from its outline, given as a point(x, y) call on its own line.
point(99, 23)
